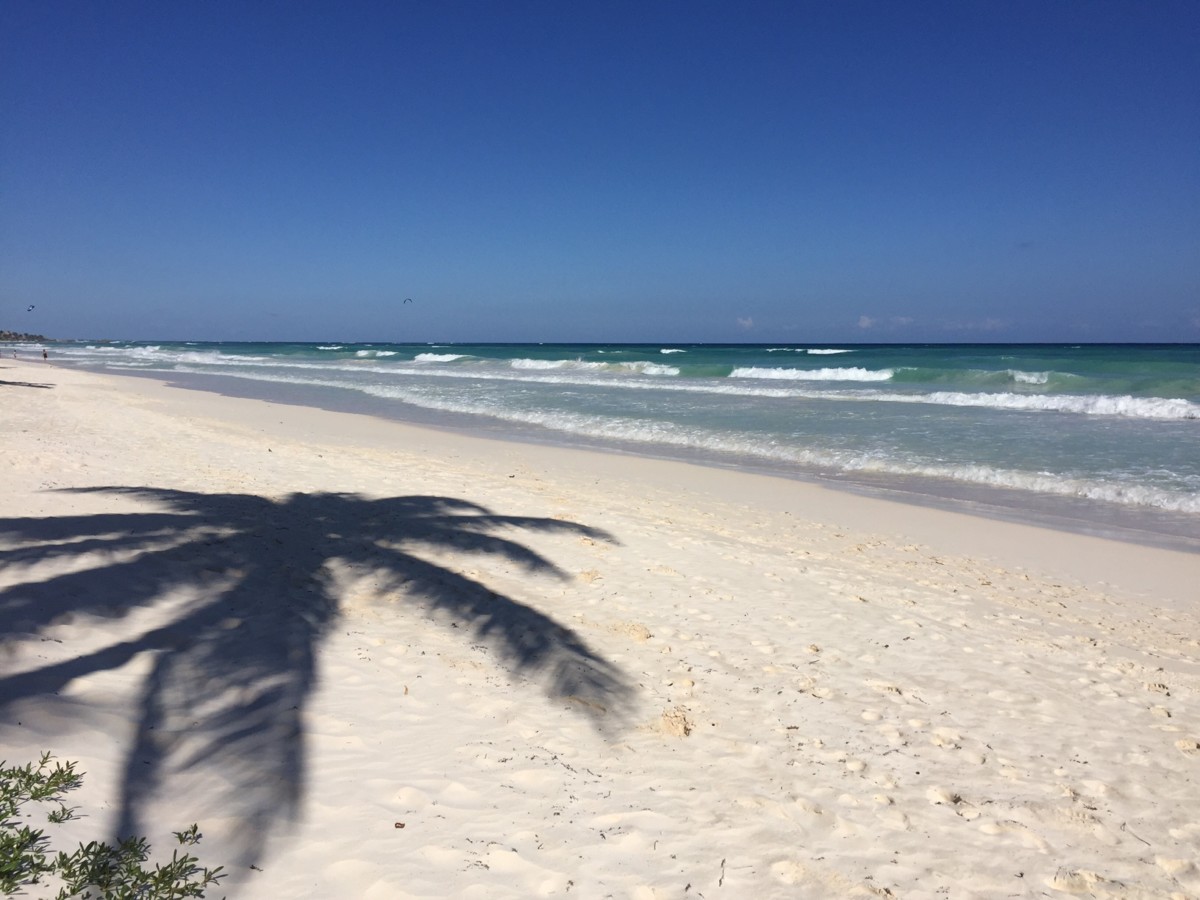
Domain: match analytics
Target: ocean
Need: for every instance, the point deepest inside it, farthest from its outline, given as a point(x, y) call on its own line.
point(1098, 438)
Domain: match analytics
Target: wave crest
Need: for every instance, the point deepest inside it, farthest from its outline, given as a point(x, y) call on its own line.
point(582, 365)
point(849, 373)
point(1100, 405)
point(1028, 377)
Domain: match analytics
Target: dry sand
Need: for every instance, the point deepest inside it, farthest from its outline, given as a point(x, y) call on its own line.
point(378, 661)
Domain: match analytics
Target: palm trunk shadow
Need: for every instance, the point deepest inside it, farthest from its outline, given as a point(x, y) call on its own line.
point(234, 668)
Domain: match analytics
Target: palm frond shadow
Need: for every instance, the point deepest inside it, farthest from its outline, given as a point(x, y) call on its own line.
point(234, 665)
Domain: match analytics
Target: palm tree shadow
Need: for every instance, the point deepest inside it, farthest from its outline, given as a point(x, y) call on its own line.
point(250, 586)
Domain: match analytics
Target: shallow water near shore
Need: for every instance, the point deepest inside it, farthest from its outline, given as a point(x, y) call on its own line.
point(1100, 439)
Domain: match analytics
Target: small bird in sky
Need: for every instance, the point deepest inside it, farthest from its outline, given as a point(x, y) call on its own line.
point(406, 300)
point(30, 309)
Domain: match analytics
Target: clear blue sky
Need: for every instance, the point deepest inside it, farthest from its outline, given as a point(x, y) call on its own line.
point(601, 171)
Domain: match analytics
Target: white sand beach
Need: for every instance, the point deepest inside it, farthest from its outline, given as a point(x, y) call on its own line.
point(377, 661)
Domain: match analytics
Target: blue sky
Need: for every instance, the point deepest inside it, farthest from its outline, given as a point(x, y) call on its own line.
point(683, 171)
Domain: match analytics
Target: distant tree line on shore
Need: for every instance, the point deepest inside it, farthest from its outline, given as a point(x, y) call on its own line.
point(21, 336)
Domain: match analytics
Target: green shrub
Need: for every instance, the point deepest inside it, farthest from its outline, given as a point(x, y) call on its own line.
point(96, 870)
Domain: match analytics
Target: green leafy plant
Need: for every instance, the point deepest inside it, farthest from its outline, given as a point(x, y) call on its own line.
point(95, 870)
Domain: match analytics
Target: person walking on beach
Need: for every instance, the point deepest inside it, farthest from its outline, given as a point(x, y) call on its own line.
point(44, 356)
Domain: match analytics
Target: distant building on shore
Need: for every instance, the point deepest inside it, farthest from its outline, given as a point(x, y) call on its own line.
point(22, 337)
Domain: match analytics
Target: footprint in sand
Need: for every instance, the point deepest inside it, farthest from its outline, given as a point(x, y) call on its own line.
point(895, 819)
point(855, 766)
point(827, 882)
point(946, 738)
point(1012, 827)
point(1081, 881)
point(1182, 870)
point(1188, 747)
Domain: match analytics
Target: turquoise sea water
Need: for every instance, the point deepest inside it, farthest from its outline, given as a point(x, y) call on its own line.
point(1107, 434)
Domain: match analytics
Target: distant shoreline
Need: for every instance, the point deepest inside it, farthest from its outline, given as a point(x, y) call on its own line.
point(412, 651)
point(12, 336)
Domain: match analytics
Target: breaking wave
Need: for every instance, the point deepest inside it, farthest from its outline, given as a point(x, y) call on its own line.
point(851, 373)
point(1095, 405)
point(582, 365)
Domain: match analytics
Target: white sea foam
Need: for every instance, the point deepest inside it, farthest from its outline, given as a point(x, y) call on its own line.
point(599, 426)
point(650, 431)
point(583, 365)
point(1160, 477)
point(133, 357)
point(1097, 405)
point(1100, 405)
point(1046, 483)
point(587, 373)
point(671, 350)
point(1131, 407)
point(330, 347)
point(850, 373)
point(554, 364)
point(438, 357)
point(649, 368)
point(130, 351)
point(1028, 377)
point(811, 352)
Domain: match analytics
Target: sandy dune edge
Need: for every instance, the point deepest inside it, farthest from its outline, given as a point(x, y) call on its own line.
point(570, 673)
